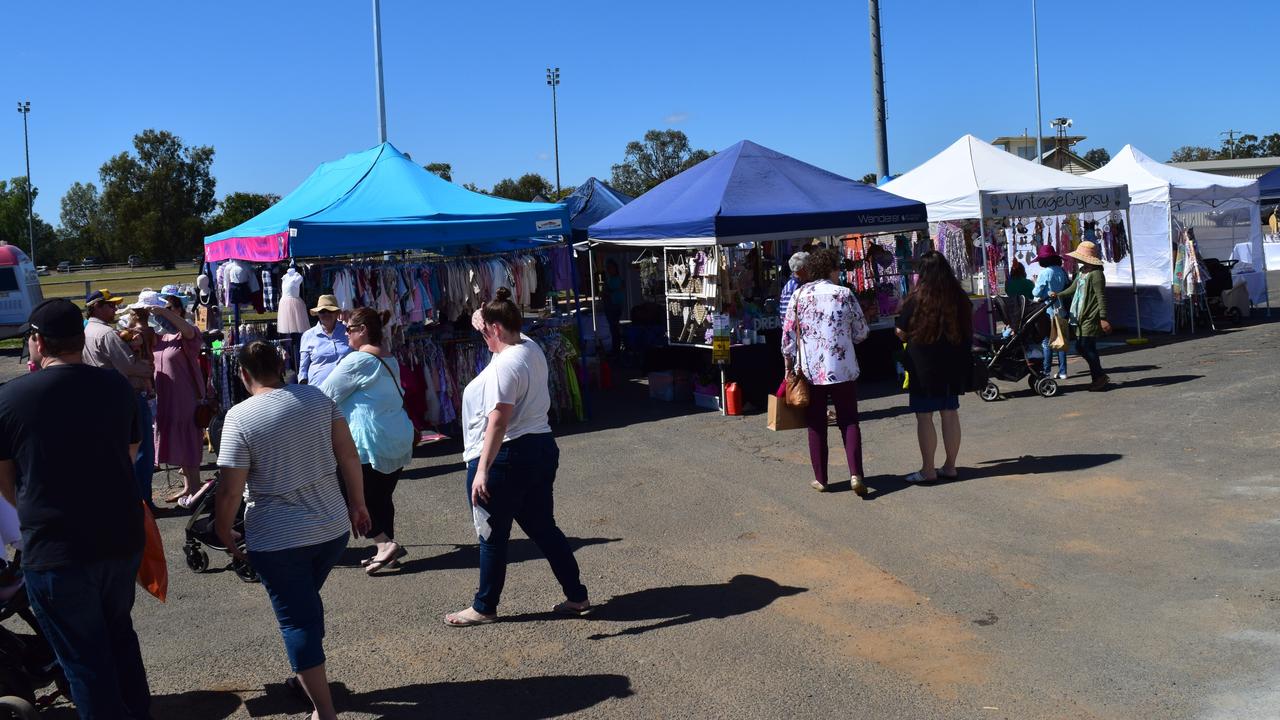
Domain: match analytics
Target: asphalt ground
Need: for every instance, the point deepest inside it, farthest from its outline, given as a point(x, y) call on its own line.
point(1104, 555)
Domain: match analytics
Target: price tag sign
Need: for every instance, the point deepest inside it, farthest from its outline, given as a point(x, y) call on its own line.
point(720, 350)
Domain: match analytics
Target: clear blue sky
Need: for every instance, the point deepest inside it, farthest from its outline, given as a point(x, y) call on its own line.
point(278, 87)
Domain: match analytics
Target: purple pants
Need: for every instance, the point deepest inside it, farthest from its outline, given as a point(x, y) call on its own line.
point(845, 397)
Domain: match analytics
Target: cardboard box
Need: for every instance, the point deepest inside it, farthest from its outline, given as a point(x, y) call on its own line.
point(782, 416)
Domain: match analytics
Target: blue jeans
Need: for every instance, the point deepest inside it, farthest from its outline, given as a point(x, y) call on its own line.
point(84, 611)
point(1048, 357)
point(144, 466)
point(293, 579)
point(1087, 346)
point(520, 489)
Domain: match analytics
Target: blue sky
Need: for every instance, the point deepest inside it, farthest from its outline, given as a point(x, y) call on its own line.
point(278, 87)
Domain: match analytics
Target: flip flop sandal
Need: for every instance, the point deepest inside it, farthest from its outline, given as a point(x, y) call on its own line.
point(458, 620)
point(373, 566)
point(917, 477)
point(570, 609)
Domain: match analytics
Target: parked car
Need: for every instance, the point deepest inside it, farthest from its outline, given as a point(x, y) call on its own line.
point(134, 261)
point(42, 269)
point(89, 262)
point(64, 266)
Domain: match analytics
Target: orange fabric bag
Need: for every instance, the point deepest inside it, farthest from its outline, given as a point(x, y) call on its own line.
point(153, 573)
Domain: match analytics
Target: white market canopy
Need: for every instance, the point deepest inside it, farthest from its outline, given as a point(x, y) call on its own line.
point(974, 179)
point(1152, 181)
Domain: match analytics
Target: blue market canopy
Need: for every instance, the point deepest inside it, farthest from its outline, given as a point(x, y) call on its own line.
point(1269, 185)
point(378, 200)
point(751, 193)
point(593, 201)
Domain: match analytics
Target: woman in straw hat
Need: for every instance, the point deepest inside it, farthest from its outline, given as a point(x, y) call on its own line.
point(324, 345)
point(1088, 296)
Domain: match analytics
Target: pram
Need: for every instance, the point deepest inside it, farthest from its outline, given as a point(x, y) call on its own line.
point(1007, 358)
point(200, 534)
point(1223, 297)
point(27, 663)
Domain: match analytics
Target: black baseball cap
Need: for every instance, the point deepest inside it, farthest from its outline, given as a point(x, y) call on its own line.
point(58, 318)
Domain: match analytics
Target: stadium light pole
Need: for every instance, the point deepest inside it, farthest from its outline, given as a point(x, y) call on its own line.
point(1035, 55)
point(25, 109)
point(377, 67)
point(553, 79)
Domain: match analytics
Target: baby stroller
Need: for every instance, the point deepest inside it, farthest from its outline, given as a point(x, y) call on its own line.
point(1008, 357)
point(1223, 297)
point(27, 663)
point(200, 534)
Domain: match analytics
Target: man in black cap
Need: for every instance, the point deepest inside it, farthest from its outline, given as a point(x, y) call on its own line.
point(82, 523)
point(103, 347)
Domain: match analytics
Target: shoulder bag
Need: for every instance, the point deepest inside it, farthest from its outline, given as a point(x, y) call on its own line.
point(797, 393)
point(416, 437)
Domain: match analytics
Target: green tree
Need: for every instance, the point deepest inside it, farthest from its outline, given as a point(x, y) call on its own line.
point(525, 188)
point(444, 170)
point(869, 179)
point(475, 188)
point(237, 207)
point(1193, 153)
point(81, 231)
point(156, 199)
point(13, 220)
point(1097, 157)
point(661, 155)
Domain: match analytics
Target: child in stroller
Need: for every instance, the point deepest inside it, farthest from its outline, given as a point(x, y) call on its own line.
point(200, 534)
point(1007, 357)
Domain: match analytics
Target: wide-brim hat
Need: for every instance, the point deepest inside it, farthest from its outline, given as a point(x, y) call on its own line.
point(326, 302)
point(1046, 252)
point(1086, 252)
point(147, 300)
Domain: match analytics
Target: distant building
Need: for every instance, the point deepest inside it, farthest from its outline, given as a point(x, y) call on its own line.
point(1059, 156)
point(1248, 168)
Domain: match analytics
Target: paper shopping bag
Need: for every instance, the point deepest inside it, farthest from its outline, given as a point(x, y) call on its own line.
point(1059, 333)
point(153, 573)
point(783, 416)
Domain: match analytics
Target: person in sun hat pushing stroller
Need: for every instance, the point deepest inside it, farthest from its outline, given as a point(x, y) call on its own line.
point(1088, 294)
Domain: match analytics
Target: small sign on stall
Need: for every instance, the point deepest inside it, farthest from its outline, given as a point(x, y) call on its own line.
point(720, 350)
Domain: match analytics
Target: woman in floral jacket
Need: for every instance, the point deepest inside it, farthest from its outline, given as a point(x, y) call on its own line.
point(823, 323)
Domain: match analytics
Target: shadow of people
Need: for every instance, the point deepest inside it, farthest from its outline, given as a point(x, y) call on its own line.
point(1160, 381)
point(193, 705)
point(882, 485)
point(683, 604)
point(533, 698)
point(463, 557)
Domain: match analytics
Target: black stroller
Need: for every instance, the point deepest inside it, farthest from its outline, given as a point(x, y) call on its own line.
point(1008, 358)
point(200, 534)
point(27, 663)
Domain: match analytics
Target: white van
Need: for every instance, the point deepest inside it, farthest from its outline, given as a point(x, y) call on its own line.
point(19, 289)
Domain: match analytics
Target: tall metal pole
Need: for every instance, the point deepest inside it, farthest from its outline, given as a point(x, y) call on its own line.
point(1035, 52)
point(377, 64)
point(25, 109)
point(877, 92)
point(553, 79)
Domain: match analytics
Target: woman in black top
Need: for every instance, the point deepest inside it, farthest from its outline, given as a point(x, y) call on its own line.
point(936, 323)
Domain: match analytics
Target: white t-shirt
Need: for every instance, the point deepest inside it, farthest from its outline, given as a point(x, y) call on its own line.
point(518, 376)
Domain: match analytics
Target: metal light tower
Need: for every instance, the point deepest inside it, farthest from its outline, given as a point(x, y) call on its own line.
point(553, 79)
point(377, 66)
point(25, 109)
point(1035, 53)
point(877, 92)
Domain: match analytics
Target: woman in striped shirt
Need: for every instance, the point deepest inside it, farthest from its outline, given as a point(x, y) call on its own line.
point(283, 444)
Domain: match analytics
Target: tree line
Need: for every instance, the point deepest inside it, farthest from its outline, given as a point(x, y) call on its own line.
point(1243, 146)
point(157, 201)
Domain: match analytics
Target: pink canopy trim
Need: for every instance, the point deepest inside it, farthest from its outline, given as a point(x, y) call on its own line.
point(266, 248)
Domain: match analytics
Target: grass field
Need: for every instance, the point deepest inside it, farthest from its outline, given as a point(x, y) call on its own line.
point(123, 282)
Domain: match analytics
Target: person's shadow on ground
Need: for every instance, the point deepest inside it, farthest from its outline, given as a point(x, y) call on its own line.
point(461, 557)
point(1025, 465)
point(533, 698)
point(193, 705)
point(684, 604)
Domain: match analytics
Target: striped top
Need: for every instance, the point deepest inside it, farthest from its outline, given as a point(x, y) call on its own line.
point(284, 439)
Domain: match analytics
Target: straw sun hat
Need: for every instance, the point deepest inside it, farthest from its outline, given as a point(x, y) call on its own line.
point(1086, 252)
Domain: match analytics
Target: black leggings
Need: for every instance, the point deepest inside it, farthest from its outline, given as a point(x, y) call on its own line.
point(378, 489)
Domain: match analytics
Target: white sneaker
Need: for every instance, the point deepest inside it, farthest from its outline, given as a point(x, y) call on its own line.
point(1062, 375)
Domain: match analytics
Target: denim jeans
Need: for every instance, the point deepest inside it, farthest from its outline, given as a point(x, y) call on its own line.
point(1087, 346)
point(144, 465)
point(293, 579)
point(84, 610)
point(520, 488)
point(1048, 357)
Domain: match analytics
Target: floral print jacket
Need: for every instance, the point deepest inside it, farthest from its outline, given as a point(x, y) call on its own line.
point(829, 322)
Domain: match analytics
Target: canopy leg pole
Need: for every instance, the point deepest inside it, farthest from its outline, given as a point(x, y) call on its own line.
point(1133, 279)
point(591, 281)
point(986, 281)
point(582, 350)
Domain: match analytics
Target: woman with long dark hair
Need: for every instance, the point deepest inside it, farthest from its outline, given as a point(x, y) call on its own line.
point(366, 388)
point(936, 322)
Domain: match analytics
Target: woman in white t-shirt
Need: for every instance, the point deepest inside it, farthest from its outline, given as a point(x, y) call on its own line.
point(511, 459)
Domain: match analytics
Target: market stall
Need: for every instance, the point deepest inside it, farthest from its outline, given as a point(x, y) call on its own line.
point(714, 230)
point(1269, 196)
point(378, 230)
point(990, 208)
point(1170, 205)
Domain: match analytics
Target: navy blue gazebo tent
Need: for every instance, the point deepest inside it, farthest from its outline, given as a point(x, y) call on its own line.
point(593, 201)
point(1269, 185)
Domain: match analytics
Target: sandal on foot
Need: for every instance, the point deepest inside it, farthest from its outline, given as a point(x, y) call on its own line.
point(468, 617)
point(572, 609)
point(918, 477)
point(948, 478)
point(392, 561)
point(817, 486)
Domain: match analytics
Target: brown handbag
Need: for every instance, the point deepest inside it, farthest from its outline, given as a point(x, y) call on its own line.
point(797, 395)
